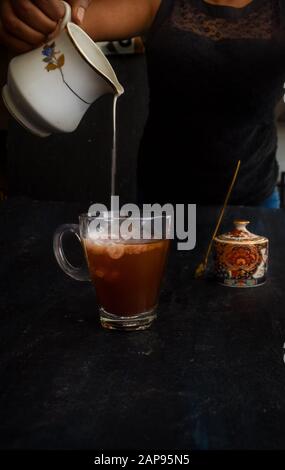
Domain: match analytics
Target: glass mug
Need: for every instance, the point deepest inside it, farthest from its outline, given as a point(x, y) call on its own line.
point(125, 270)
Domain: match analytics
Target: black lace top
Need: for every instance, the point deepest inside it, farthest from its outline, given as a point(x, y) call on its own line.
point(215, 74)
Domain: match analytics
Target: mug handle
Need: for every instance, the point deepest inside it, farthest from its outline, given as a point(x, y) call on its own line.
point(67, 16)
point(79, 273)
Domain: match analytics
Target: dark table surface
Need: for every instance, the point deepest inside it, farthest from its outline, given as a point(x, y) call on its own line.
point(209, 374)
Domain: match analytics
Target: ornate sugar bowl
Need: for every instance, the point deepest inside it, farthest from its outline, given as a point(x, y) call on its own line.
point(240, 257)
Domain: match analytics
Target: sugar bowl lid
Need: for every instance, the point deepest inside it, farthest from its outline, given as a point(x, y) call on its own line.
point(240, 234)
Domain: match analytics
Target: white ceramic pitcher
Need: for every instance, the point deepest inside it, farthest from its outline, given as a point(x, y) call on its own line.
point(50, 89)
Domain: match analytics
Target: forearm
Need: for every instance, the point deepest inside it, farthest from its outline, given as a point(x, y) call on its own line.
point(107, 20)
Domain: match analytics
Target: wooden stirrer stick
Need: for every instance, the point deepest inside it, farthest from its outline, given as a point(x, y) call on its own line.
point(200, 270)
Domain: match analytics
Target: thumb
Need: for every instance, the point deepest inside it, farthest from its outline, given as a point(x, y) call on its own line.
point(79, 8)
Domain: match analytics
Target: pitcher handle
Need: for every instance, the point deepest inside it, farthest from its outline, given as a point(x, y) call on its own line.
point(67, 15)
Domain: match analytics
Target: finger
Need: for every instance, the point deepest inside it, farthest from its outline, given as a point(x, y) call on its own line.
point(54, 9)
point(54, 34)
point(31, 15)
point(12, 43)
point(79, 8)
point(15, 27)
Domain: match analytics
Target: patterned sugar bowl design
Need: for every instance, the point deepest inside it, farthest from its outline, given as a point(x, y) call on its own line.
point(240, 257)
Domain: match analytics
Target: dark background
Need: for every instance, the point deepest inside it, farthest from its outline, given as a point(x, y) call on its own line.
point(77, 166)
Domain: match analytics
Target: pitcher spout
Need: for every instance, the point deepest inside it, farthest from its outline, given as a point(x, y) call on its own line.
point(92, 53)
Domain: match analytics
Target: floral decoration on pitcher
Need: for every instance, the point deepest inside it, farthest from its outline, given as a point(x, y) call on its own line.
point(55, 60)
